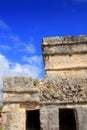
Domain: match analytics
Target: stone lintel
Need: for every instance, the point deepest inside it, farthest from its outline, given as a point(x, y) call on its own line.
point(30, 105)
point(64, 103)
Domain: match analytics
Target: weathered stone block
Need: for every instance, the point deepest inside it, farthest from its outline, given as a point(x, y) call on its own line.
point(64, 62)
point(82, 118)
point(49, 118)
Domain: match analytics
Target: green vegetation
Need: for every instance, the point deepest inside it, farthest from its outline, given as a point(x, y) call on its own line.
point(35, 82)
point(1, 108)
point(0, 111)
point(49, 87)
point(0, 127)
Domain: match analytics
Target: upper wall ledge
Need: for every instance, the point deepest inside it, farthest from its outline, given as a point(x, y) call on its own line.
point(64, 40)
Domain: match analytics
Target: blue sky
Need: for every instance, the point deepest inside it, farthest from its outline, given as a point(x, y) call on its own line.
point(23, 24)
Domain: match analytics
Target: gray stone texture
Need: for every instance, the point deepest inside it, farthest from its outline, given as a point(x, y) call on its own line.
point(49, 118)
point(13, 117)
point(64, 86)
point(82, 118)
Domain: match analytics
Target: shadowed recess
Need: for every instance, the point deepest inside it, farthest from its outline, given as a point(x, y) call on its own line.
point(67, 119)
point(32, 120)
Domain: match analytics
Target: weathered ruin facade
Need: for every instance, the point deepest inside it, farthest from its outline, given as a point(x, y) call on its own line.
point(57, 102)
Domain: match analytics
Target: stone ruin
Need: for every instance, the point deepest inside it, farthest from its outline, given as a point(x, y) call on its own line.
point(57, 102)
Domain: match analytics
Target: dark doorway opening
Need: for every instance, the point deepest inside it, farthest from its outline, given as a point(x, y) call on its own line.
point(32, 120)
point(67, 119)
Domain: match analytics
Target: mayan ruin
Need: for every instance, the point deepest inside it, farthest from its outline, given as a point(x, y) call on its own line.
point(59, 100)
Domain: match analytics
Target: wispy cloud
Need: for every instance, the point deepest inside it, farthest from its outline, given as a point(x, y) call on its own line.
point(5, 47)
point(29, 48)
point(33, 60)
point(14, 39)
point(22, 46)
point(16, 43)
point(3, 25)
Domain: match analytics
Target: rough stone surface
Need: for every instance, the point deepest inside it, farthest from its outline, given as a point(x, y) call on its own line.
point(13, 117)
point(18, 89)
point(17, 82)
point(65, 49)
point(49, 118)
point(64, 90)
point(64, 86)
point(82, 118)
point(64, 40)
point(59, 62)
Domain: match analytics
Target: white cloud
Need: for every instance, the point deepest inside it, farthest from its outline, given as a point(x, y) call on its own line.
point(8, 68)
point(3, 25)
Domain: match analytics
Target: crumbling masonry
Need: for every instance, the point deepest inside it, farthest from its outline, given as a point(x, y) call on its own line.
point(57, 102)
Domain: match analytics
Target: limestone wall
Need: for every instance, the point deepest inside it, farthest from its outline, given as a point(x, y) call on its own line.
point(62, 90)
point(20, 89)
point(49, 117)
point(64, 86)
point(13, 117)
point(20, 95)
point(64, 54)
